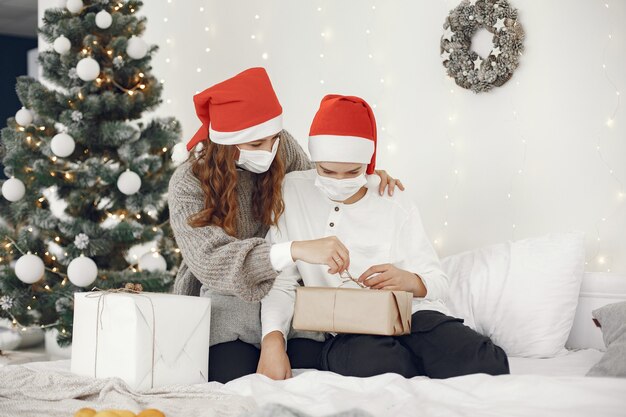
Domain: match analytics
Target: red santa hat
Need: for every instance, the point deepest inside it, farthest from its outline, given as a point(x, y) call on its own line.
point(344, 130)
point(241, 109)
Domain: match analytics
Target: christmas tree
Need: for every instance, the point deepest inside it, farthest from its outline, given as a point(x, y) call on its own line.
point(86, 178)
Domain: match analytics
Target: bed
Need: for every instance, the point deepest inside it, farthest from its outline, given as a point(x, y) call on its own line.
point(536, 387)
point(542, 387)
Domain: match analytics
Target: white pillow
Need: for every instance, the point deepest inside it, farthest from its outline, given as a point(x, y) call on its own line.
point(522, 294)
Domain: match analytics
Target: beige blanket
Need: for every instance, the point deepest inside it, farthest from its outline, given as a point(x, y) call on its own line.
point(42, 391)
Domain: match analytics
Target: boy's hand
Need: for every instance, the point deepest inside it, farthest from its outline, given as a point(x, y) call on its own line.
point(390, 277)
point(274, 362)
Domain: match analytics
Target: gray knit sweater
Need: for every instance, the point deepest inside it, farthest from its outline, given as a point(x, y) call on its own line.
point(235, 272)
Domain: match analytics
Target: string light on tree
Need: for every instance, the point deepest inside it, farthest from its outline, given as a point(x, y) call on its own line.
point(151, 211)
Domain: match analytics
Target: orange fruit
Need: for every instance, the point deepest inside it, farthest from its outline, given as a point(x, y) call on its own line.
point(123, 413)
point(85, 412)
point(106, 413)
point(151, 412)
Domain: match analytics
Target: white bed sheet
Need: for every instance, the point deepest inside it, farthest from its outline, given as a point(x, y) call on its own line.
point(323, 393)
point(537, 387)
point(574, 363)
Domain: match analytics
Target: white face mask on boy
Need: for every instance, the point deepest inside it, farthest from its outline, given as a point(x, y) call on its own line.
point(340, 189)
point(257, 161)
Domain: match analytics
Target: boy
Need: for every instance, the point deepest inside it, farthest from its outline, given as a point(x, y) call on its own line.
point(387, 249)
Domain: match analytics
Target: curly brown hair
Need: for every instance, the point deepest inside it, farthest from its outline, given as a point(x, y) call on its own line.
point(215, 167)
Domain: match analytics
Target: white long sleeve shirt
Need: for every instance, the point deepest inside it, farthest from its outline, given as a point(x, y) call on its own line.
point(376, 230)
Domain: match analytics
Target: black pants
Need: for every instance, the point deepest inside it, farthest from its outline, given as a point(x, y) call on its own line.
point(439, 346)
point(231, 360)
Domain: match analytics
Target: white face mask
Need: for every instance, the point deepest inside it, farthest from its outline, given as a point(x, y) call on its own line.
point(257, 161)
point(340, 189)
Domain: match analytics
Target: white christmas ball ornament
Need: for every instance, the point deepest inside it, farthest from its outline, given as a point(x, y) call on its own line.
point(82, 271)
point(62, 145)
point(62, 45)
point(24, 117)
point(13, 189)
point(74, 6)
point(129, 182)
point(137, 48)
point(88, 69)
point(103, 19)
point(153, 262)
point(29, 268)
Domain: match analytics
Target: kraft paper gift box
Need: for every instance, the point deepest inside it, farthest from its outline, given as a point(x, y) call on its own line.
point(115, 335)
point(353, 310)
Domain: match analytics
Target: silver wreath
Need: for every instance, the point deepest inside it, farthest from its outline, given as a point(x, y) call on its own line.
point(468, 69)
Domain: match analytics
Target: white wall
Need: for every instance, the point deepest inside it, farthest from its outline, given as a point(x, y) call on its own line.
point(546, 121)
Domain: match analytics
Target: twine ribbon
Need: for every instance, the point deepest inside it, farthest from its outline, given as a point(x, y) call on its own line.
point(101, 295)
point(346, 277)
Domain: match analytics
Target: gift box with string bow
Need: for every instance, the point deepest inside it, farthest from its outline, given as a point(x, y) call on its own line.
point(353, 310)
point(146, 339)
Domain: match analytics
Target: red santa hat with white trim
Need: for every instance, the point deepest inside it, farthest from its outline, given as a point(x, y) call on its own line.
point(241, 109)
point(344, 130)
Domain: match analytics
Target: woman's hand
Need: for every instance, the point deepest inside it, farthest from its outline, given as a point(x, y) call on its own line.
point(387, 181)
point(325, 251)
point(391, 278)
point(274, 362)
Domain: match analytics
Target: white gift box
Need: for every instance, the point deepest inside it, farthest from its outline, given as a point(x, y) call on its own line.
point(116, 334)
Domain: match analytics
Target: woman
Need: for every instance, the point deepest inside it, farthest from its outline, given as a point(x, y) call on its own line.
point(222, 201)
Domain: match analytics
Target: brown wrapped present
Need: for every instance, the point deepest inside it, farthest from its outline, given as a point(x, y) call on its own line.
point(353, 310)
